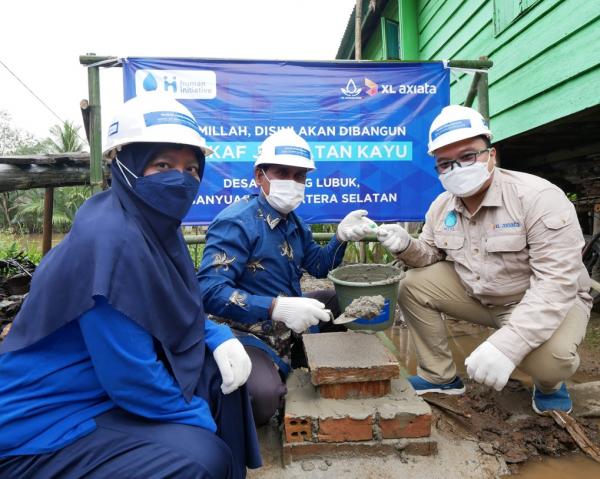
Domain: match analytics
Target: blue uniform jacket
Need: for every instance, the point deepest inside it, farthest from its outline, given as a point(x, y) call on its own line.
point(253, 255)
point(51, 391)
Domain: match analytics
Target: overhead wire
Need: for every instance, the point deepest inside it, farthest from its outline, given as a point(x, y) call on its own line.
point(63, 122)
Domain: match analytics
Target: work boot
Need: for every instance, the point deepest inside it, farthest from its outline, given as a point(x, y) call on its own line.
point(422, 386)
point(559, 400)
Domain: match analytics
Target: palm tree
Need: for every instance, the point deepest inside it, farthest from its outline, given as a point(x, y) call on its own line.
point(65, 138)
point(28, 206)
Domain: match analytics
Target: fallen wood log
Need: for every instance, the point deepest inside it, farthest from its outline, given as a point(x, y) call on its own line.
point(574, 429)
point(45, 171)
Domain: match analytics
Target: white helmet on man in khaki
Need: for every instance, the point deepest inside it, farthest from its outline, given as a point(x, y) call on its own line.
point(153, 118)
point(285, 147)
point(456, 123)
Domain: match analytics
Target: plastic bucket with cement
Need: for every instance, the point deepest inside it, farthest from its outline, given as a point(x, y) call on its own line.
point(356, 280)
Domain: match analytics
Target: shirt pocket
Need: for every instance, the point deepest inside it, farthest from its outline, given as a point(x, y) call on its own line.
point(452, 245)
point(507, 256)
point(558, 220)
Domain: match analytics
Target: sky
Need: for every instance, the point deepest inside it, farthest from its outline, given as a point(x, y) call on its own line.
point(41, 41)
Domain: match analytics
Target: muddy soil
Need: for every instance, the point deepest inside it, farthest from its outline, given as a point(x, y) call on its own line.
point(589, 351)
point(504, 424)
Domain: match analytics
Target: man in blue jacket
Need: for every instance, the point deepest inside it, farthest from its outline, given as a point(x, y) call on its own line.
point(256, 252)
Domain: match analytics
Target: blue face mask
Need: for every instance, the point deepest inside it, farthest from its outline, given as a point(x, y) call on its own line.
point(172, 192)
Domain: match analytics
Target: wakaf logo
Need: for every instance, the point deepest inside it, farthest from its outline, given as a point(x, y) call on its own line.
point(372, 87)
point(351, 89)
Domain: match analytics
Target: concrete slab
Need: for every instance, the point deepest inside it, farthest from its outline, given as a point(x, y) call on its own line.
point(303, 400)
point(348, 357)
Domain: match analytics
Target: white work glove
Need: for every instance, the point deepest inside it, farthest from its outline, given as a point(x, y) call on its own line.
point(490, 366)
point(355, 226)
point(395, 238)
point(299, 313)
point(234, 364)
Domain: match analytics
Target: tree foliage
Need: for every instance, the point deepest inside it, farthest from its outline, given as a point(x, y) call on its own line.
point(23, 211)
point(16, 141)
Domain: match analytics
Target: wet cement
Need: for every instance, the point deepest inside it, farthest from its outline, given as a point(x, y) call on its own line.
point(366, 307)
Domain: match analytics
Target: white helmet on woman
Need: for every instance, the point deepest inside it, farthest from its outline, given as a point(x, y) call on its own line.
point(285, 147)
point(455, 123)
point(153, 118)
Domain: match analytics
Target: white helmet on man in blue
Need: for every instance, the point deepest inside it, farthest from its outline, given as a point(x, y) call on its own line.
point(456, 123)
point(285, 147)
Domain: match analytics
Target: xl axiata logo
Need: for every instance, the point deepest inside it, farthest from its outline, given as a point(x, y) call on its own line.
point(181, 84)
point(372, 87)
point(353, 92)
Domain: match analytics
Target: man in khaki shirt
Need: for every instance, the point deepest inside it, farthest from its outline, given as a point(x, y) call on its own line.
point(499, 248)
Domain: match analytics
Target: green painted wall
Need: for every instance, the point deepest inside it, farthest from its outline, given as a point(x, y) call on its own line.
point(546, 58)
point(546, 53)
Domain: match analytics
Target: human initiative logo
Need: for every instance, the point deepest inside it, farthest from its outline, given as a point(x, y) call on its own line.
point(181, 84)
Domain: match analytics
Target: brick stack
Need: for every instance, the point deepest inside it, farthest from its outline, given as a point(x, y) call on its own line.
point(352, 400)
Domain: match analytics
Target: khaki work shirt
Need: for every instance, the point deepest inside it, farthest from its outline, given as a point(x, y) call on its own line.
point(522, 246)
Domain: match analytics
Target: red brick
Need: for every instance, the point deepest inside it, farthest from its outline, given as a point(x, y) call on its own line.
point(362, 390)
point(406, 425)
point(345, 429)
point(297, 429)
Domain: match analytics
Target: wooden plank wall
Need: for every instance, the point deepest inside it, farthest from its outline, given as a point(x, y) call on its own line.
point(546, 62)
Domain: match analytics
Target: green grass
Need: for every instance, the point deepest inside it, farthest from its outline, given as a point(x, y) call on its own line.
point(11, 247)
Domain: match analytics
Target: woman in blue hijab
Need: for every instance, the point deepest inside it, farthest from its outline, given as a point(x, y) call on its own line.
point(111, 367)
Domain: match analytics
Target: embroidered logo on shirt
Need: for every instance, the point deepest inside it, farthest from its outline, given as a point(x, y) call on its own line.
point(220, 260)
point(287, 250)
point(255, 265)
point(272, 222)
point(237, 299)
point(514, 224)
point(450, 220)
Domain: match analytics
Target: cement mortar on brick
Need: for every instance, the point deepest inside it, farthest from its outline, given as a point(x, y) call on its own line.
point(346, 350)
point(303, 400)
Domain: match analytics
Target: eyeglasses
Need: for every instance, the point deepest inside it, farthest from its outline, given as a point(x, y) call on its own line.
point(466, 159)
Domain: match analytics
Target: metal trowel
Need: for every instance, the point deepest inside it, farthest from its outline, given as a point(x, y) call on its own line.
point(343, 319)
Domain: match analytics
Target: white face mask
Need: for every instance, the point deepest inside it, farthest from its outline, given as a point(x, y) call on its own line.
point(284, 195)
point(466, 181)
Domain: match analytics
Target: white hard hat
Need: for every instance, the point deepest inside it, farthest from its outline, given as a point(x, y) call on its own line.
point(153, 118)
point(285, 147)
point(455, 123)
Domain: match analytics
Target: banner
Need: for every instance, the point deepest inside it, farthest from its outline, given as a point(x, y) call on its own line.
point(366, 122)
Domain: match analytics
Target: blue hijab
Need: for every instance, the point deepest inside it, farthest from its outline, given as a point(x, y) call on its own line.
point(123, 248)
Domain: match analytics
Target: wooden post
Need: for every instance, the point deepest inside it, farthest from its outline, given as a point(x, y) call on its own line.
point(48, 210)
point(85, 115)
point(95, 129)
point(596, 223)
point(472, 93)
point(362, 246)
point(358, 30)
point(483, 99)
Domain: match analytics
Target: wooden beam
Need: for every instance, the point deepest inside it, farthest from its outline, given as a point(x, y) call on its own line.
point(48, 212)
